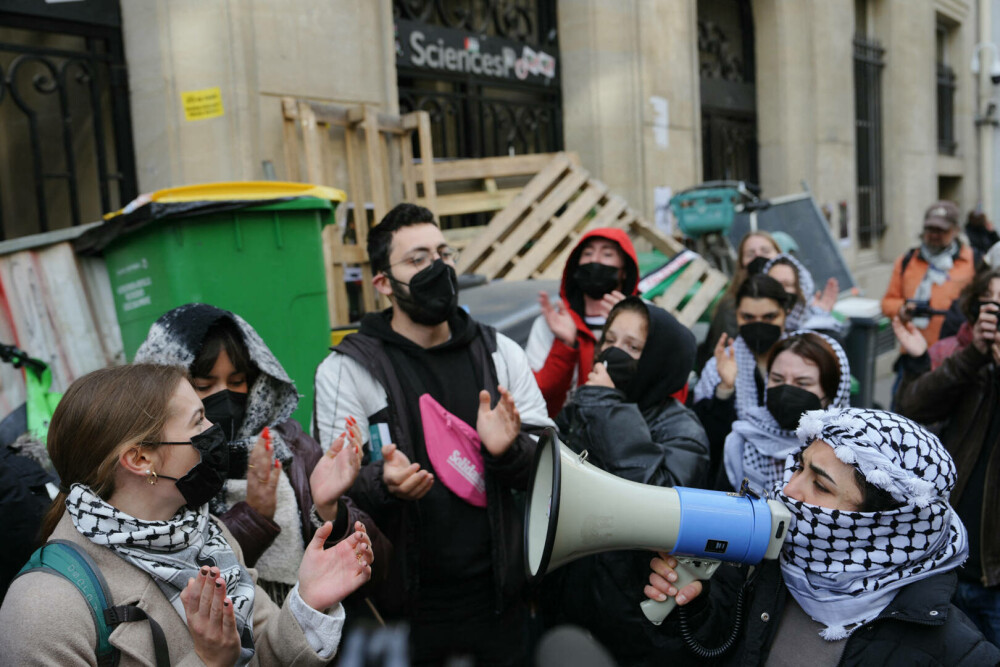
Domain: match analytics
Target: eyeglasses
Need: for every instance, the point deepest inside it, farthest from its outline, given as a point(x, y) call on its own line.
point(421, 259)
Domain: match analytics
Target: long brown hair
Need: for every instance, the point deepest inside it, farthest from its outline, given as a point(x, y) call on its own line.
point(740, 273)
point(812, 347)
point(101, 414)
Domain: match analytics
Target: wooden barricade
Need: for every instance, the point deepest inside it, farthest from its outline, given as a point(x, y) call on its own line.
point(378, 149)
point(534, 235)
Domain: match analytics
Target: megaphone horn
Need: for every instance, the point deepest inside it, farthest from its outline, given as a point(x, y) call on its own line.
point(576, 509)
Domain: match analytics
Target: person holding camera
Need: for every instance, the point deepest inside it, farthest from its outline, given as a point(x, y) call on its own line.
point(928, 278)
point(963, 391)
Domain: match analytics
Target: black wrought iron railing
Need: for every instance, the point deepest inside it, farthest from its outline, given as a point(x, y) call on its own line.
point(868, 65)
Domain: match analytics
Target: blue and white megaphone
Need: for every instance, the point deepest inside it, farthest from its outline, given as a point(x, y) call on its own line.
point(576, 509)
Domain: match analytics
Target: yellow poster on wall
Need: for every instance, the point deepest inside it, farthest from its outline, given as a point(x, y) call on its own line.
point(202, 104)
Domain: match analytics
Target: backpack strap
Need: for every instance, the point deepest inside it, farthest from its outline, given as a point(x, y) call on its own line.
point(906, 260)
point(69, 561)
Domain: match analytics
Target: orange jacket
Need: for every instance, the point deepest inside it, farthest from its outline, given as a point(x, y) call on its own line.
point(903, 285)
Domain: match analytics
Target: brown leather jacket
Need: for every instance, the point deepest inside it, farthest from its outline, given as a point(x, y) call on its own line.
point(961, 392)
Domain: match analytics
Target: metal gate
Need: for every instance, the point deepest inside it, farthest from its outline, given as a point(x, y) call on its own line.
point(66, 152)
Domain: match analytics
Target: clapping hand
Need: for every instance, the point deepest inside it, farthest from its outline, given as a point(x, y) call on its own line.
point(558, 318)
point(211, 619)
point(498, 428)
point(404, 480)
point(327, 576)
point(725, 362)
point(909, 337)
point(263, 473)
point(336, 471)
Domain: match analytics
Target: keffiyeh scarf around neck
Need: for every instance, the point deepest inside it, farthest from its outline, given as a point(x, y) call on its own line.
point(171, 552)
point(844, 568)
point(757, 448)
point(939, 265)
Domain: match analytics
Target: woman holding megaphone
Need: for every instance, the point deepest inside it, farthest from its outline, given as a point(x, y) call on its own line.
point(867, 573)
point(626, 420)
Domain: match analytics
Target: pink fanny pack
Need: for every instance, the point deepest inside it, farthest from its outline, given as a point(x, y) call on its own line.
point(454, 449)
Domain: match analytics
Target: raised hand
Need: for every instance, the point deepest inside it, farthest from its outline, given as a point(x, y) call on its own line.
point(609, 301)
point(327, 576)
point(985, 329)
point(725, 362)
point(336, 471)
point(404, 479)
point(499, 427)
point(263, 473)
point(599, 377)
point(558, 318)
point(827, 299)
point(661, 581)
point(211, 619)
point(909, 337)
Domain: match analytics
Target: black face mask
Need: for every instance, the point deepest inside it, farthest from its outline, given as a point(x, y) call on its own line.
point(787, 403)
point(596, 279)
point(621, 367)
point(225, 409)
point(757, 265)
point(433, 295)
point(760, 336)
point(205, 479)
point(976, 306)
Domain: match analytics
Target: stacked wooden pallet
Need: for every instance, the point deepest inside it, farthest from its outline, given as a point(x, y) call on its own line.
point(534, 235)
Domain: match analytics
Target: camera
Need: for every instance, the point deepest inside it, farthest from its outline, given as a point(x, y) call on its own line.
point(915, 308)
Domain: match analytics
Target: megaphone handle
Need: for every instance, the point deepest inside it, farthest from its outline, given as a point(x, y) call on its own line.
point(688, 570)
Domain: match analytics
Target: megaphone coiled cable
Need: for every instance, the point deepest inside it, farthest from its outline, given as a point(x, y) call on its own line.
point(709, 653)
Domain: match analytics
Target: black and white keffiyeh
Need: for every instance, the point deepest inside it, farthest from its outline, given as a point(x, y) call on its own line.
point(844, 568)
point(757, 448)
point(171, 552)
point(746, 395)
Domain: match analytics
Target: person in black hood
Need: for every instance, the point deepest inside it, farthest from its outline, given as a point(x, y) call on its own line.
point(280, 488)
point(631, 426)
point(448, 406)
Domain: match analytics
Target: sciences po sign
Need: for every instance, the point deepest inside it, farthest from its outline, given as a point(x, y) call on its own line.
point(432, 48)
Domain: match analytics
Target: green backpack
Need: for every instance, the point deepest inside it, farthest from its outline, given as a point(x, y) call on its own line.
point(70, 562)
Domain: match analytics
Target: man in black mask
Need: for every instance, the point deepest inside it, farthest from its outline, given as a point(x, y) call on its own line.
point(446, 403)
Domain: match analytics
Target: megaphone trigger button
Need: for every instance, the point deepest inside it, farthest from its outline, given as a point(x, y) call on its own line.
point(765, 617)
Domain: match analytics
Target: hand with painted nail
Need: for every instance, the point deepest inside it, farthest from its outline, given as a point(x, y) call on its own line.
point(404, 479)
point(211, 618)
point(498, 428)
point(336, 471)
point(327, 576)
point(662, 579)
point(263, 473)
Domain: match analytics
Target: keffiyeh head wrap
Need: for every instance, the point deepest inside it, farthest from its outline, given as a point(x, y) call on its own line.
point(170, 552)
point(757, 448)
point(807, 287)
point(844, 568)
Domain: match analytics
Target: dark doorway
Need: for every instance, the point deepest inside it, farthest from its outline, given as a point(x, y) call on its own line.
point(65, 130)
point(728, 93)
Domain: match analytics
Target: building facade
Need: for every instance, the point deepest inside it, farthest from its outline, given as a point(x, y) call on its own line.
point(870, 103)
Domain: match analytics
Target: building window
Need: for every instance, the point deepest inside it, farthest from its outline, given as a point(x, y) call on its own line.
point(945, 95)
point(868, 64)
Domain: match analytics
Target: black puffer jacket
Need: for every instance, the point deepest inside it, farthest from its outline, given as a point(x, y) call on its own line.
point(919, 627)
point(662, 444)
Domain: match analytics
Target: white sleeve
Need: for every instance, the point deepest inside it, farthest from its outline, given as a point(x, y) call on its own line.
point(516, 375)
point(322, 631)
point(539, 343)
point(344, 388)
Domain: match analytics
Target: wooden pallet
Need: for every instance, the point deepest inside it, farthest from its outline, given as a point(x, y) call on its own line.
point(378, 149)
point(534, 235)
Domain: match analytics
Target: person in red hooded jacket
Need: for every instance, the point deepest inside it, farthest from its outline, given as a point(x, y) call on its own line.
point(601, 271)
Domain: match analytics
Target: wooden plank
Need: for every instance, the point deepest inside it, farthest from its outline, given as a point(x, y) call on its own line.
point(710, 288)
point(558, 231)
point(336, 292)
point(356, 176)
point(604, 218)
point(665, 244)
point(502, 221)
point(471, 202)
point(528, 227)
point(693, 272)
point(376, 175)
point(428, 170)
point(290, 147)
point(491, 167)
point(410, 193)
point(311, 145)
point(290, 108)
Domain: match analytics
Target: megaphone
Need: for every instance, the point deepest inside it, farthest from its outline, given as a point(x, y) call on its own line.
point(575, 509)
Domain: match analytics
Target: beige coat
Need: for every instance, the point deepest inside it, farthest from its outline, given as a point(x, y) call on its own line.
point(45, 620)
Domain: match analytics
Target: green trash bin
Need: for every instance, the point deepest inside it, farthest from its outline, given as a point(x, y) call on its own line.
point(252, 248)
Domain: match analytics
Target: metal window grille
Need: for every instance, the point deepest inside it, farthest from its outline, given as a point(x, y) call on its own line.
point(946, 110)
point(65, 126)
point(868, 64)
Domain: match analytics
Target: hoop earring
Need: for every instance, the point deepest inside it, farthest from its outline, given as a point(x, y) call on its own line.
point(151, 478)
